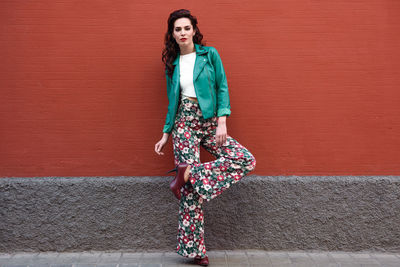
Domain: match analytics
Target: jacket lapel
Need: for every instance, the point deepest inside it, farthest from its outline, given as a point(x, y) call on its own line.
point(200, 62)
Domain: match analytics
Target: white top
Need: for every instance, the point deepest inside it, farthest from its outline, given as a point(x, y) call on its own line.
point(186, 63)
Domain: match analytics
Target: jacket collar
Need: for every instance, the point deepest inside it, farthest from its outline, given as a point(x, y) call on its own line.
point(199, 51)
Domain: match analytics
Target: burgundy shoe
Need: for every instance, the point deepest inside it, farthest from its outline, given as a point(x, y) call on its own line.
point(179, 180)
point(201, 261)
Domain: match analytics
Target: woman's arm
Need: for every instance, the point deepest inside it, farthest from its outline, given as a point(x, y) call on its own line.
point(223, 102)
point(222, 120)
point(168, 120)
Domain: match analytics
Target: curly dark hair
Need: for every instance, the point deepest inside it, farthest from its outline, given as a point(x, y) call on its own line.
point(171, 48)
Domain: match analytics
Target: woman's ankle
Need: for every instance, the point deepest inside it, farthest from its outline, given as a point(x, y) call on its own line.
point(186, 175)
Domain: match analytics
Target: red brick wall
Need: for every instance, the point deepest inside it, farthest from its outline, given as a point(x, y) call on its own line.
point(314, 85)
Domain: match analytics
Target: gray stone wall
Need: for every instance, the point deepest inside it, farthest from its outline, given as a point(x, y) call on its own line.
point(347, 213)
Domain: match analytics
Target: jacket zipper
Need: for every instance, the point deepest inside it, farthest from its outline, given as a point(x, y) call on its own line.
point(212, 95)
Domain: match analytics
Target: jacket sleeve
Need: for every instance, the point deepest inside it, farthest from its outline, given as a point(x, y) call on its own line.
point(223, 102)
point(168, 124)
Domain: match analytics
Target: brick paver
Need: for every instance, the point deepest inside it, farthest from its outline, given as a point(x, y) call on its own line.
point(227, 258)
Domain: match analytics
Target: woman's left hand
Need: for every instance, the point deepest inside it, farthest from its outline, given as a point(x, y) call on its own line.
point(220, 134)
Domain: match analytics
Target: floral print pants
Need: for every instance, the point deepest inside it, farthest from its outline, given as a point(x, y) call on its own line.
point(206, 180)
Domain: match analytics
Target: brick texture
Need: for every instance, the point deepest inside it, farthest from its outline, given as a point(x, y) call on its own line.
point(314, 85)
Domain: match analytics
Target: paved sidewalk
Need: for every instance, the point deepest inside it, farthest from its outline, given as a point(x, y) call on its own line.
point(216, 258)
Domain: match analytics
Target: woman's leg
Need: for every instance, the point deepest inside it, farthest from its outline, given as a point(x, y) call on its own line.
point(233, 162)
point(186, 144)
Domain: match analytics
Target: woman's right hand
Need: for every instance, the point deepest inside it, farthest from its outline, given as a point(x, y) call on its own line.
point(160, 144)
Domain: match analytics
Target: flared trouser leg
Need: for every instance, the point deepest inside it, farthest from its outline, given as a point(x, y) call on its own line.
point(233, 162)
point(206, 180)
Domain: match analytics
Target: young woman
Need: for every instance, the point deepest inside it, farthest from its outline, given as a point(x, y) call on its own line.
point(199, 104)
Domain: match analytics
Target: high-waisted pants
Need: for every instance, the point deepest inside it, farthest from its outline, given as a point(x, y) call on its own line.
point(206, 180)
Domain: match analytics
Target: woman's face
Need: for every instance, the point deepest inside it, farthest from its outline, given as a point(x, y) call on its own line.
point(183, 32)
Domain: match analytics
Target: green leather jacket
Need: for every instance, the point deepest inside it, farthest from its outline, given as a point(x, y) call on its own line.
point(210, 85)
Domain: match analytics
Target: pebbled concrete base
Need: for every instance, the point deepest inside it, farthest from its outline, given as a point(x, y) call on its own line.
point(345, 213)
